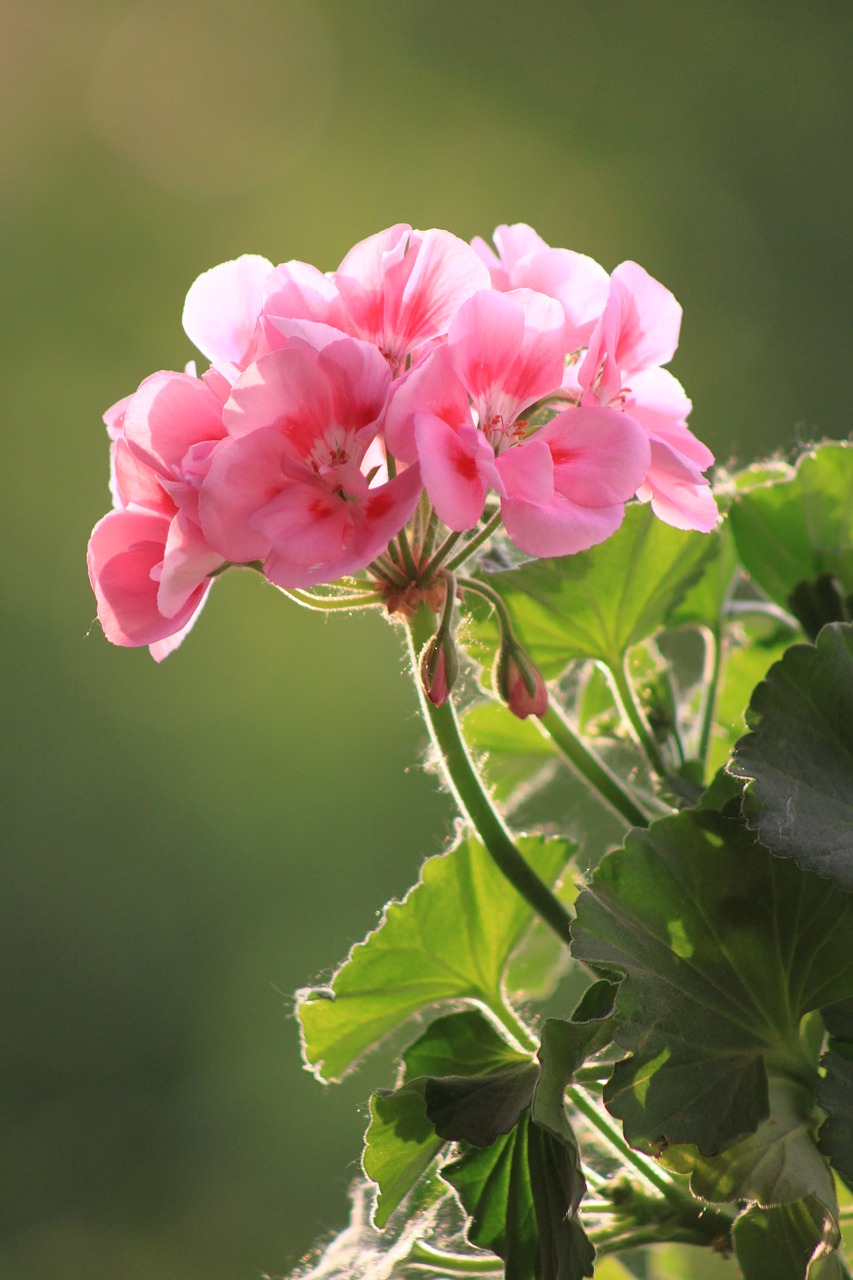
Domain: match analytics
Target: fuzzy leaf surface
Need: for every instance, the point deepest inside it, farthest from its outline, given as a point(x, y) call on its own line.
point(401, 1141)
point(724, 948)
point(798, 756)
point(449, 939)
point(599, 603)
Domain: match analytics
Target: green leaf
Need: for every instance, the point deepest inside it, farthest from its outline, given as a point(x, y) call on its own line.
point(480, 1109)
point(798, 757)
point(460, 1044)
point(400, 1145)
point(835, 1096)
point(777, 1164)
point(449, 939)
point(401, 1142)
point(789, 1242)
point(724, 948)
point(704, 600)
point(797, 530)
point(518, 1193)
point(515, 755)
point(599, 603)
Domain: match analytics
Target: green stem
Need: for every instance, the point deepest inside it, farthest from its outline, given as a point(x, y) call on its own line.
point(323, 604)
point(474, 801)
point(435, 560)
point(644, 1166)
point(555, 725)
point(455, 1264)
point(406, 556)
point(626, 701)
point(473, 543)
point(713, 639)
point(383, 567)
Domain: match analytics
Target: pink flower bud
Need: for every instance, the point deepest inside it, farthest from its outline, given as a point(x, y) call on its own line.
point(520, 683)
point(439, 668)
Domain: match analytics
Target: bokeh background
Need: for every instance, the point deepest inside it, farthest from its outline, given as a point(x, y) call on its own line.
point(183, 846)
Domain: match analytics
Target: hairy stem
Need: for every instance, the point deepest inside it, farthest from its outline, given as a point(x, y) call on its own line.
point(470, 794)
point(632, 712)
point(556, 726)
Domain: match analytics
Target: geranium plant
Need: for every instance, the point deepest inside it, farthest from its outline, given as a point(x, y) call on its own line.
point(484, 444)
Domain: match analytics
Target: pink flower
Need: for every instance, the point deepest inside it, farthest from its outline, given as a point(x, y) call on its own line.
point(222, 310)
point(149, 563)
point(524, 261)
point(563, 486)
point(402, 288)
point(290, 486)
point(637, 334)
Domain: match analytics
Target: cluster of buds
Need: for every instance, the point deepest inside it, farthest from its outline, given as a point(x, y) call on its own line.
point(351, 427)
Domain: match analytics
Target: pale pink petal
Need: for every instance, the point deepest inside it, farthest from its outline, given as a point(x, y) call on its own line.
point(507, 349)
point(283, 389)
point(223, 306)
point(187, 563)
point(517, 241)
point(114, 417)
point(600, 456)
point(679, 494)
point(433, 388)
point(499, 274)
point(124, 549)
point(244, 475)
point(561, 528)
point(527, 470)
point(169, 413)
point(375, 521)
point(360, 382)
point(578, 283)
point(458, 467)
point(650, 319)
point(361, 277)
point(134, 482)
point(657, 401)
point(446, 272)
point(308, 524)
point(162, 648)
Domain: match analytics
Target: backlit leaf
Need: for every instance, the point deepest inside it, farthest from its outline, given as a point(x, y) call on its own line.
point(449, 939)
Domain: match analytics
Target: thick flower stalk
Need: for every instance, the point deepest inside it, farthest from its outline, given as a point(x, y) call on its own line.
point(374, 426)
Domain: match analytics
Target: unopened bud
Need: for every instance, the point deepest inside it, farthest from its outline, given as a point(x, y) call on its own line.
point(519, 682)
point(439, 667)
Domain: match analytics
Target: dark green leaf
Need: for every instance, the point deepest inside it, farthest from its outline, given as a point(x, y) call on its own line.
point(519, 1193)
point(449, 939)
point(724, 948)
point(797, 530)
point(777, 1164)
point(401, 1142)
point(787, 1242)
point(798, 757)
point(835, 1096)
point(480, 1109)
point(599, 603)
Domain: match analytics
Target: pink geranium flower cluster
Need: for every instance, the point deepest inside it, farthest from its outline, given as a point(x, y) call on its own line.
point(425, 390)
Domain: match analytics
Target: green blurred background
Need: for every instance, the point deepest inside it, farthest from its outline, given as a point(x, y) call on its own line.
point(186, 845)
